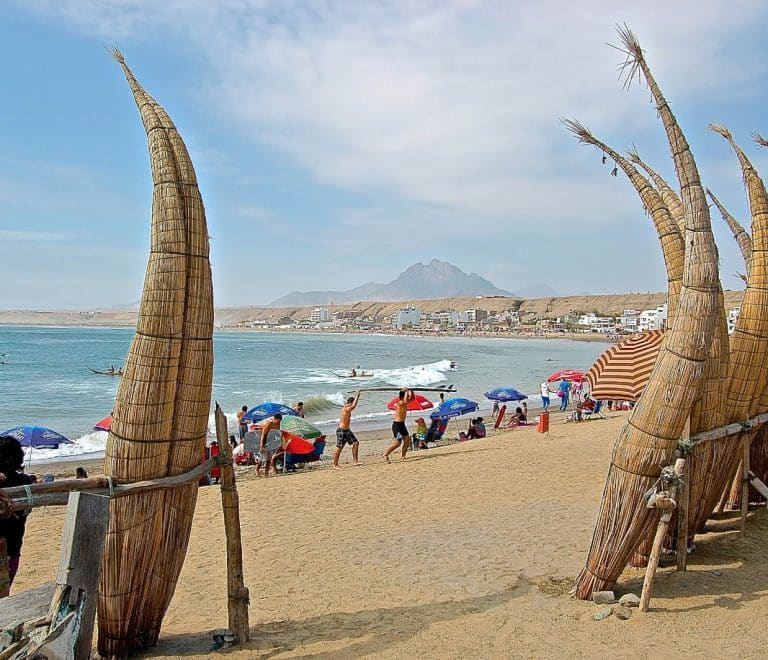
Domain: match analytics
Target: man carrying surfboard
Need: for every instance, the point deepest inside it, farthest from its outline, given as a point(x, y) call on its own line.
point(399, 429)
point(344, 433)
point(265, 452)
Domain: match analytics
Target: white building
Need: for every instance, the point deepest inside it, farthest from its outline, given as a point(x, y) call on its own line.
point(653, 319)
point(629, 319)
point(733, 316)
point(319, 315)
point(406, 317)
point(595, 323)
point(450, 318)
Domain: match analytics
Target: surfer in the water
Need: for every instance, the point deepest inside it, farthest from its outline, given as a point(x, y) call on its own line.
point(399, 429)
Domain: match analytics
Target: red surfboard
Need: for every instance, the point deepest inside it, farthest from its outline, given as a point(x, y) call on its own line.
point(500, 417)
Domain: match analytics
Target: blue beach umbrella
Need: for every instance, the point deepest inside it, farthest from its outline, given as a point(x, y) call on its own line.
point(505, 394)
point(453, 408)
point(38, 437)
point(268, 409)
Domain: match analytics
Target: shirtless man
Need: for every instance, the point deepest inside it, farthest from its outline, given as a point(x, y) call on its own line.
point(399, 430)
point(344, 433)
point(265, 455)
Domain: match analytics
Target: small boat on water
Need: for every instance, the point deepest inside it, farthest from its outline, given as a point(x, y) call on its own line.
point(354, 374)
point(107, 372)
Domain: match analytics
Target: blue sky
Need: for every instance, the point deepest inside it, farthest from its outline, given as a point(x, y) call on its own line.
point(337, 143)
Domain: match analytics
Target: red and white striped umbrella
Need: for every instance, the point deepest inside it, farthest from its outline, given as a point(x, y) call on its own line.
point(622, 371)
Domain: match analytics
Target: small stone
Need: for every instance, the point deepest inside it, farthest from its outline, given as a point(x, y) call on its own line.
point(603, 597)
point(621, 612)
point(603, 613)
point(629, 600)
point(716, 573)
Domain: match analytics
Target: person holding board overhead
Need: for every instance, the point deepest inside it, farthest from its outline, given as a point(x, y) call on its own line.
point(399, 429)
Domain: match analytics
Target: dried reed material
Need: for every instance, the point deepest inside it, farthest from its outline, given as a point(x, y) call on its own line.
point(670, 238)
point(650, 437)
point(707, 411)
point(748, 369)
point(162, 405)
point(671, 199)
point(743, 239)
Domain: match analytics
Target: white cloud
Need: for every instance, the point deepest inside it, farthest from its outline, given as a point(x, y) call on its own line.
point(446, 111)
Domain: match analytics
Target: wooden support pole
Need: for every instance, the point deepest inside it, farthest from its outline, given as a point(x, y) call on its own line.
point(758, 485)
point(661, 530)
point(682, 508)
point(746, 442)
point(58, 491)
point(82, 545)
point(237, 593)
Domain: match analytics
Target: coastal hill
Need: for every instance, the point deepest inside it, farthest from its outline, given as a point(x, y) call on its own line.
point(533, 308)
point(437, 279)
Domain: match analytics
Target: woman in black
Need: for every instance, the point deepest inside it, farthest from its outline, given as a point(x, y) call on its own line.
point(11, 474)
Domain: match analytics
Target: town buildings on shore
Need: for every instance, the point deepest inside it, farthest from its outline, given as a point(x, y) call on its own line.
point(410, 318)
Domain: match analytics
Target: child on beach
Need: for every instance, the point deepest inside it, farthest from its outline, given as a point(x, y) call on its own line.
point(12, 474)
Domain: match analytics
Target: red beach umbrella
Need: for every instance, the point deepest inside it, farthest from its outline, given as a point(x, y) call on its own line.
point(296, 445)
point(417, 403)
point(567, 374)
point(104, 425)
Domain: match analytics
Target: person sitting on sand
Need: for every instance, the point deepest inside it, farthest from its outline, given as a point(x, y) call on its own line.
point(12, 474)
point(433, 432)
point(476, 429)
point(518, 418)
point(266, 455)
point(80, 473)
point(344, 433)
point(399, 429)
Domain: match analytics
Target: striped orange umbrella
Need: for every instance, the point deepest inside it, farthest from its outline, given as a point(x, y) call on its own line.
point(622, 371)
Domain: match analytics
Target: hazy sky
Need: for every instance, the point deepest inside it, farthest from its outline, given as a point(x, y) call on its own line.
point(338, 143)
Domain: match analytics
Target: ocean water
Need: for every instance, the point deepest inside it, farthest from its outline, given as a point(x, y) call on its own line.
point(45, 380)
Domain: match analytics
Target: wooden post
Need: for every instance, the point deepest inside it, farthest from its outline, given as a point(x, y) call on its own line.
point(682, 508)
point(661, 530)
point(237, 593)
point(746, 442)
point(82, 545)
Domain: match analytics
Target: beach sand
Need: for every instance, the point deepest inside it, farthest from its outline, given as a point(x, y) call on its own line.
point(468, 550)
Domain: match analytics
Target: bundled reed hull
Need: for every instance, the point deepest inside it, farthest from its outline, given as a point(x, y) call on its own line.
point(650, 437)
point(162, 406)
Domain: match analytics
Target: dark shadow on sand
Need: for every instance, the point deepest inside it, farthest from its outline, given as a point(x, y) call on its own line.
point(369, 631)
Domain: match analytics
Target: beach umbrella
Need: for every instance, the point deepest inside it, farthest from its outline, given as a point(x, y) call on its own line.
point(567, 374)
point(268, 409)
point(37, 437)
point(418, 402)
point(104, 425)
point(453, 408)
point(505, 394)
point(622, 371)
point(299, 428)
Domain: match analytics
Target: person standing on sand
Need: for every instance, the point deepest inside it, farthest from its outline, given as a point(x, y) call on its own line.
point(545, 395)
point(242, 424)
point(344, 433)
point(399, 429)
point(564, 390)
point(265, 455)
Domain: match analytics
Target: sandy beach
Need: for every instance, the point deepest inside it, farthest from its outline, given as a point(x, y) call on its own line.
point(468, 550)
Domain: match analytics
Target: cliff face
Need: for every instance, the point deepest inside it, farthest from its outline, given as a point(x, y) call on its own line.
point(232, 316)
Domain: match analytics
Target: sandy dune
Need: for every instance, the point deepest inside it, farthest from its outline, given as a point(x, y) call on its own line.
point(463, 551)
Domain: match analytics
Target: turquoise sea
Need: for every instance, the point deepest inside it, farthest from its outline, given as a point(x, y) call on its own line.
point(44, 378)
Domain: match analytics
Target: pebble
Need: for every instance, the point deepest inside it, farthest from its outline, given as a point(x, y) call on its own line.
point(716, 573)
point(603, 613)
point(629, 600)
point(603, 597)
point(622, 613)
